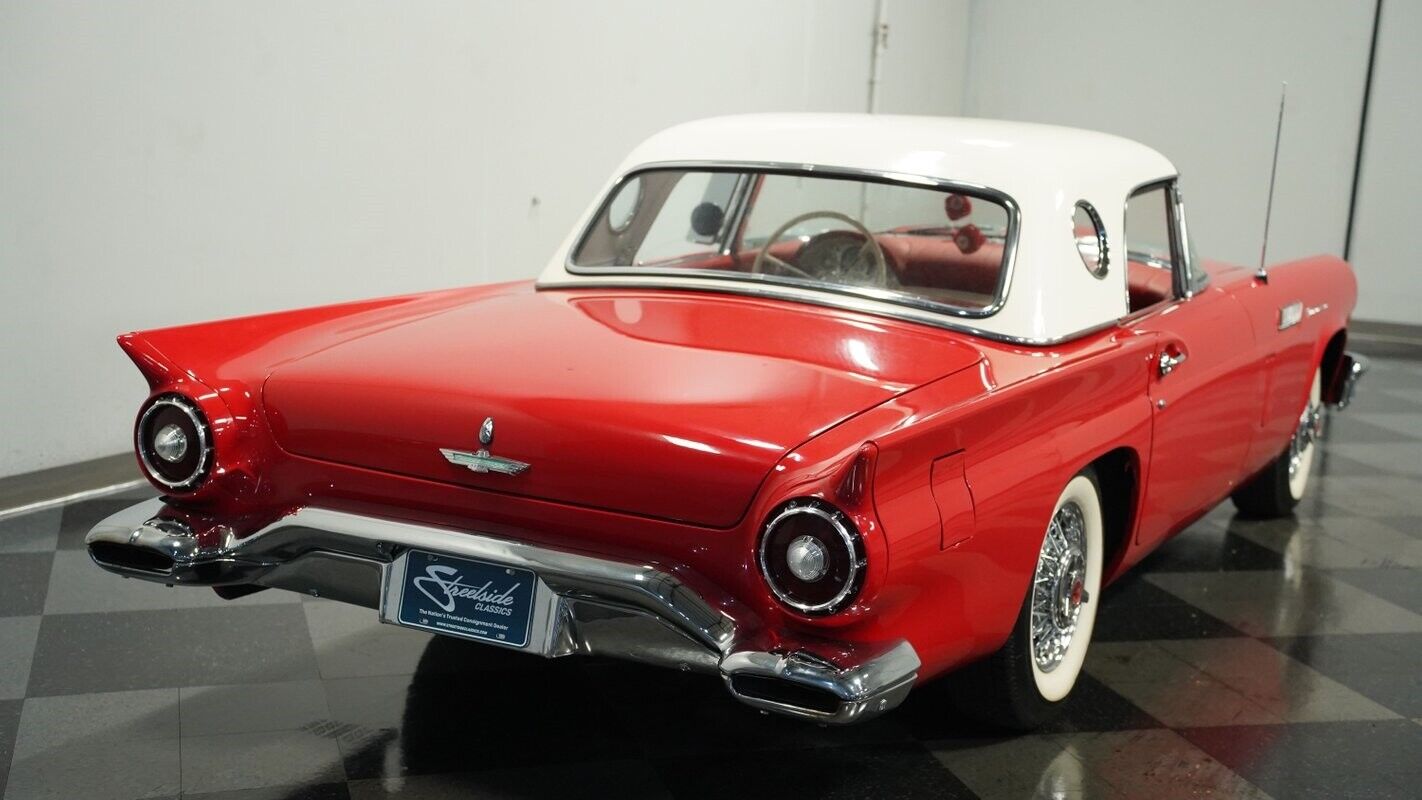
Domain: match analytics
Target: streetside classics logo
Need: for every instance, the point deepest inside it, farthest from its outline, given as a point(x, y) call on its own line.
point(443, 585)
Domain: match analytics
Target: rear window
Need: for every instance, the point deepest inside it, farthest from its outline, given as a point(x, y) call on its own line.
point(915, 242)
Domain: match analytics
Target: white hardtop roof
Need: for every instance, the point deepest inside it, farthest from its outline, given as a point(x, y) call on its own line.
point(1012, 157)
point(1044, 169)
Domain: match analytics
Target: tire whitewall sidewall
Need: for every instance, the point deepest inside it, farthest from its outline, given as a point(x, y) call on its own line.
point(1298, 480)
point(1056, 684)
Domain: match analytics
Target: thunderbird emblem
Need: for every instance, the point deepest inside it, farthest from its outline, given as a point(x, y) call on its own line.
point(482, 461)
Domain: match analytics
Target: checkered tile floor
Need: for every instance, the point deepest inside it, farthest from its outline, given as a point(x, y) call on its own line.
point(1245, 659)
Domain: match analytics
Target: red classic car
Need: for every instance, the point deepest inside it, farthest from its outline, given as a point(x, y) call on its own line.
point(828, 406)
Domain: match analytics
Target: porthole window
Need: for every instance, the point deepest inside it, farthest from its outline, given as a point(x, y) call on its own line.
point(1090, 237)
point(624, 206)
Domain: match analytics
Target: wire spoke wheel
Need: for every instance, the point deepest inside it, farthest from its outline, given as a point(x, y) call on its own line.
point(1059, 611)
point(1034, 671)
point(1059, 587)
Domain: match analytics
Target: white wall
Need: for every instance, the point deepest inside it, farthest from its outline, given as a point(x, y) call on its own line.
point(168, 162)
point(1198, 81)
point(1386, 222)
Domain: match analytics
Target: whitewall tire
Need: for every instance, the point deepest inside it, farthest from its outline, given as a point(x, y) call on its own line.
point(1028, 680)
point(1066, 590)
point(1304, 442)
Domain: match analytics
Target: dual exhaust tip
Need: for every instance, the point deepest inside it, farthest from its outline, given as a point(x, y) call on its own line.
point(127, 558)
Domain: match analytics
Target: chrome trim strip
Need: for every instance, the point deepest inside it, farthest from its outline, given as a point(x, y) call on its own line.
point(1149, 260)
point(1290, 315)
point(584, 604)
point(1009, 256)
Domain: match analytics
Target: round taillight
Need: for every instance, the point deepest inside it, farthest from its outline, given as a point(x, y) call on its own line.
point(811, 556)
point(174, 442)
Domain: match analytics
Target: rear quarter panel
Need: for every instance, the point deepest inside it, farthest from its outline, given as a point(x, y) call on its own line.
point(1025, 421)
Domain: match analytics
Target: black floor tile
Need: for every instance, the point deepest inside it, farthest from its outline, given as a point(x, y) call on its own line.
point(1093, 706)
point(34, 532)
point(878, 772)
point(1133, 609)
point(184, 647)
point(323, 791)
point(1204, 548)
point(555, 703)
point(933, 714)
point(709, 721)
point(1384, 667)
point(1390, 377)
point(1334, 464)
point(9, 724)
point(1401, 587)
point(1333, 760)
point(24, 581)
point(593, 779)
point(1351, 429)
point(1412, 526)
point(78, 518)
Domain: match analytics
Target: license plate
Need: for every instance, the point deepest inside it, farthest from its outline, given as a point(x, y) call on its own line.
point(461, 597)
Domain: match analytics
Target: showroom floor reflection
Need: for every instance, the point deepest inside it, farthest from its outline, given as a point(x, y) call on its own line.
point(1245, 659)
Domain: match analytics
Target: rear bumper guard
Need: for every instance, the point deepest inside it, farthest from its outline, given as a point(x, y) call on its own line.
point(584, 604)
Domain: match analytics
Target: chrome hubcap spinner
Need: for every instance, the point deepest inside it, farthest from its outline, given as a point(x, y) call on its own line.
point(1059, 587)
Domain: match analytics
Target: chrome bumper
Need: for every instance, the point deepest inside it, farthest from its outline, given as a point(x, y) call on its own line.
point(1353, 367)
point(583, 604)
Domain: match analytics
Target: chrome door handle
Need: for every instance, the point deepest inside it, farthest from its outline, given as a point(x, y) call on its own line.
point(1169, 362)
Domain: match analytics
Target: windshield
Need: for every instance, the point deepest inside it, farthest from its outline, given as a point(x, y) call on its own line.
point(918, 242)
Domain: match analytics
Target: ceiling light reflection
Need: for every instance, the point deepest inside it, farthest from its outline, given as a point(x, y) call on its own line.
point(691, 444)
point(860, 354)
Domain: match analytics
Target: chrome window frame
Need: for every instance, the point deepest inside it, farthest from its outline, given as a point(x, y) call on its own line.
point(1195, 279)
point(1181, 256)
point(1004, 280)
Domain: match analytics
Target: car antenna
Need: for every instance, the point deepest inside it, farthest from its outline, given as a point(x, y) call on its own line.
point(1263, 274)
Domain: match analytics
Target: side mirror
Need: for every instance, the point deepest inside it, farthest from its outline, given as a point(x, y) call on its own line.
point(706, 219)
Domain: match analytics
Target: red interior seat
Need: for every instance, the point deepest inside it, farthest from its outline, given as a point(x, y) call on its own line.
point(1147, 285)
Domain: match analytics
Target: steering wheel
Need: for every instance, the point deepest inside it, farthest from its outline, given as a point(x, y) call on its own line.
point(880, 265)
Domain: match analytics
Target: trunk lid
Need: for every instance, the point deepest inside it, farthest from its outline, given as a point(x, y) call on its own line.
point(661, 404)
